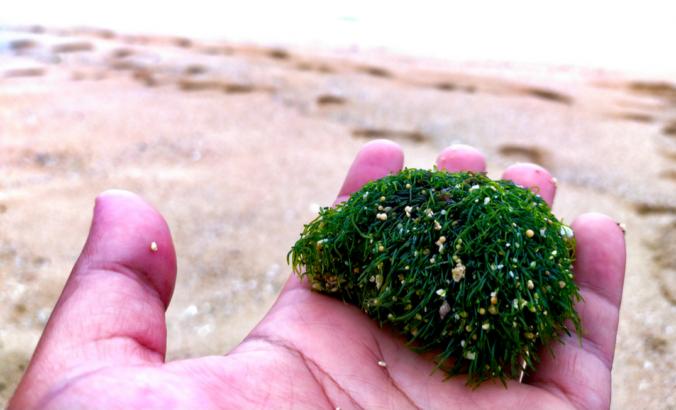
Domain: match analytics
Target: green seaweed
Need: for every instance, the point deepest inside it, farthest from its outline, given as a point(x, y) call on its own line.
point(478, 271)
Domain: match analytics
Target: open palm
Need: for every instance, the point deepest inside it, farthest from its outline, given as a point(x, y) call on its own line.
point(104, 345)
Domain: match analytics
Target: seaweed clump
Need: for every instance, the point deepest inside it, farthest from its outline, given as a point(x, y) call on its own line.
point(477, 270)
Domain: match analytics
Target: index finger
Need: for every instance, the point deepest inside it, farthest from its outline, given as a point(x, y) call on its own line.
point(376, 159)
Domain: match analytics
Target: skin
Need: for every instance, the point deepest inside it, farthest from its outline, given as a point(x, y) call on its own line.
point(105, 343)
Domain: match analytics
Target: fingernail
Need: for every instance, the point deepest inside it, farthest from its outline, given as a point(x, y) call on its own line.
point(105, 202)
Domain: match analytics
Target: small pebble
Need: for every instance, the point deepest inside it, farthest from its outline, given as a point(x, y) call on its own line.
point(622, 226)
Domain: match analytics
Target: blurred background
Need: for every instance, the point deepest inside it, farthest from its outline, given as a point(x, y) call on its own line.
point(626, 35)
point(237, 120)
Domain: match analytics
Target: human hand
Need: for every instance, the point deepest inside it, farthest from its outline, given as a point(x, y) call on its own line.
point(104, 345)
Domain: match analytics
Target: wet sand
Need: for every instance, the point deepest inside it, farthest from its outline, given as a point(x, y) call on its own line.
point(238, 144)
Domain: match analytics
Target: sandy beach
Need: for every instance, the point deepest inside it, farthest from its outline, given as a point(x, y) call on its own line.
point(238, 145)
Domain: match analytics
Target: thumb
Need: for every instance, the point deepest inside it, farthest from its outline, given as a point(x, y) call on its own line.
point(111, 311)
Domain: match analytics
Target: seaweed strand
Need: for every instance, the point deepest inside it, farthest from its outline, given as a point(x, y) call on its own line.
point(477, 270)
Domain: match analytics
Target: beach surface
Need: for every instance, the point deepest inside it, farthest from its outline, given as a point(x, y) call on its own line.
point(239, 144)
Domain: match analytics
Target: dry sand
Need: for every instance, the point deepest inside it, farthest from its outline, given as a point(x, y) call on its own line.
point(238, 144)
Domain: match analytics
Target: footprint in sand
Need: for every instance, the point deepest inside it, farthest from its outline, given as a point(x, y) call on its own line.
point(234, 88)
point(633, 116)
point(278, 54)
point(657, 344)
point(373, 133)
point(195, 69)
point(330, 99)
point(664, 254)
point(670, 155)
point(670, 129)
point(182, 42)
point(96, 32)
point(25, 72)
point(449, 86)
point(74, 47)
point(643, 208)
point(659, 89)
point(374, 71)
point(20, 45)
point(145, 77)
point(122, 53)
point(524, 153)
point(547, 95)
point(228, 88)
point(198, 85)
point(217, 50)
point(669, 174)
point(319, 68)
point(124, 65)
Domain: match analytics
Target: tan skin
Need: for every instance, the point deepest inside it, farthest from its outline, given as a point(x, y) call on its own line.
point(104, 345)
